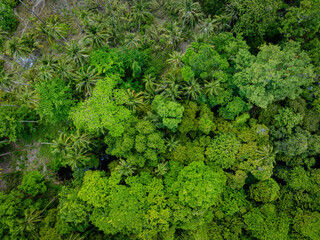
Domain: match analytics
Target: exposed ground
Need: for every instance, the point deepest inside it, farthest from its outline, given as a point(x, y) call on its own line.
point(26, 157)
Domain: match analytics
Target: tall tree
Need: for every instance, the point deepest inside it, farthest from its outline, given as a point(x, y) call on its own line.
point(141, 13)
point(104, 110)
point(74, 16)
point(190, 12)
point(86, 79)
point(275, 74)
point(40, 18)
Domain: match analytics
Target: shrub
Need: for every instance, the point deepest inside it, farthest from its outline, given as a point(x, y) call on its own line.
point(11, 3)
point(8, 21)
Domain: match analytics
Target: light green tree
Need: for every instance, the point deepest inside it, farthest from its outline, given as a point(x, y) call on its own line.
point(288, 119)
point(104, 110)
point(267, 223)
point(33, 183)
point(198, 186)
point(169, 111)
point(222, 150)
point(274, 74)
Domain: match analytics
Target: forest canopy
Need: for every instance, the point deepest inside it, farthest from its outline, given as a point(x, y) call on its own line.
point(160, 119)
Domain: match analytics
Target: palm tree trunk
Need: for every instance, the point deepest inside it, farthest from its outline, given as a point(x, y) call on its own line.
point(145, 36)
point(40, 19)
point(8, 105)
point(45, 208)
point(99, 7)
point(64, 8)
point(114, 21)
point(7, 58)
point(184, 20)
point(2, 155)
point(139, 25)
point(74, 16)
point(19, 83)
point(32, 12)
point(6, 90)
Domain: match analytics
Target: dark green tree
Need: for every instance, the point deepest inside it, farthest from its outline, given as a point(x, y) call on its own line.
point(55, 100)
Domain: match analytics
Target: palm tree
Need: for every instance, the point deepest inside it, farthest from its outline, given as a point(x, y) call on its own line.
point(149, 83)
point(74, 16)
point(45, 69)
point(16, 48)
point(95, 37)
point(132, 40)
point(155, 32)
point(63, 69)
point(80, 140)
point(266, 155)
point(222, 22)
point(29, 40)
point(135, 100)
point(6, 81)
point(28, 97)
point(172, 77)
point(125, 168)
point(77, 53)
point(62, 145)
point(173, 36)
point(175, 59)
point(49, 60)
point(208, 26)
point(114, 21)
point(211, 88)
point(170, 86)
point(32, 217)
point(4, 35)
point(192, 89)
point(161, 169)
point(170, 90)
point(9, 81)
point(156, 5)
point(232, 12)
point(54, 29)
point(154, 118)
point(77, 158)
point(190, 12)
point(75, 236)
point(171, 143)
point(140, 12)
point(44, 24)
point(87, 79)
point(28, 224)
point(148, 96)
point(45, 72)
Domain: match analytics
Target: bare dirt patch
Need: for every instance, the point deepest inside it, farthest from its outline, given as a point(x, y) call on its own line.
point(25, 158)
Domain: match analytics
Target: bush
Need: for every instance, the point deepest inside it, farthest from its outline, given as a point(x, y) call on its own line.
point(55, 100)
point(265, 191)
point(170, 112)
point(11, 3)
point(129, 64)
point(8, 21)
point(2, 64)
point(33, 183)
